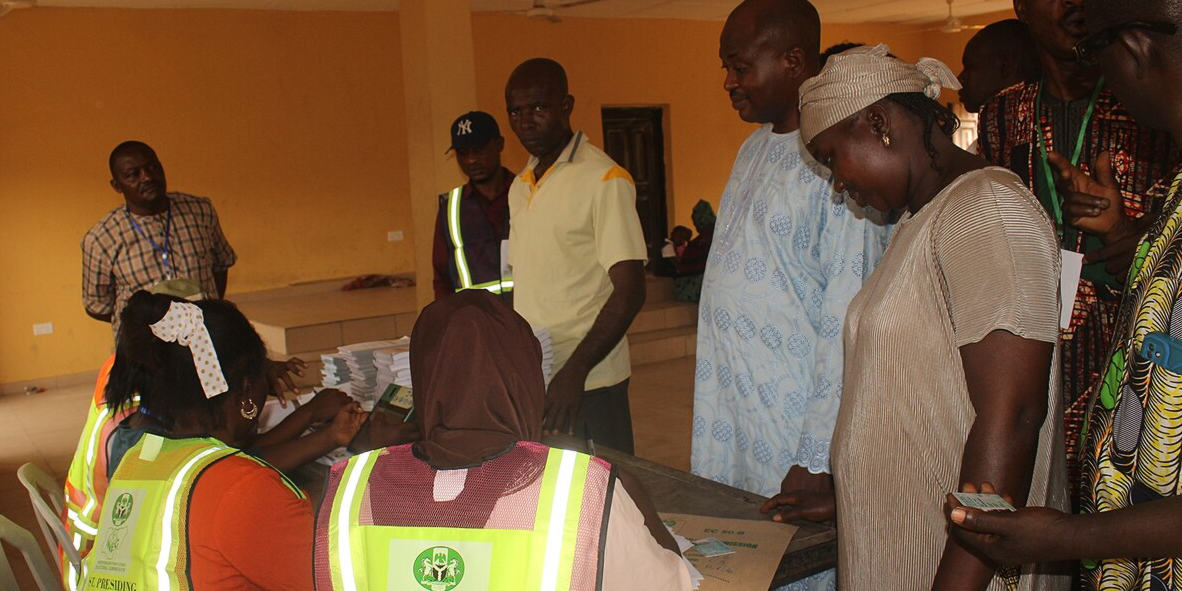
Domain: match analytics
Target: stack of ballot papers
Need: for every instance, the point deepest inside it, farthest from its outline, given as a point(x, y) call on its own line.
point(543, 336)
point(365, 370)
point(334, 372)
point(393, 366)
point(363, 374)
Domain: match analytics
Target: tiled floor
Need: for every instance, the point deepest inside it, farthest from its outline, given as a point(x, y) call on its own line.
point(44, 428)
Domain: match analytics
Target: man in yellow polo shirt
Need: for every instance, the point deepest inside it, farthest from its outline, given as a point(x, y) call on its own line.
point(577, 253)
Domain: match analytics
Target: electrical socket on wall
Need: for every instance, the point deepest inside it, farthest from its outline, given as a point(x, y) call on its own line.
point(394, 236)
point(42, 328)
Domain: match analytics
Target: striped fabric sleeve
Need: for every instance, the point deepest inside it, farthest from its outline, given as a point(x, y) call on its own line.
point(998, 261)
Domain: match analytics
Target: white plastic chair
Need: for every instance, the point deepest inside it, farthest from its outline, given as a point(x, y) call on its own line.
point(41, 485)
point(21, 539)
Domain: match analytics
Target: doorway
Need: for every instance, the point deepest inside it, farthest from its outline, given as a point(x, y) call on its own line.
point(635, 138)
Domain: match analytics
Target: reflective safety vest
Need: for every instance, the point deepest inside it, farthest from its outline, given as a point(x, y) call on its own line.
point(546, 533)
point(498, 285)
point(142, 541)
point(86, 480)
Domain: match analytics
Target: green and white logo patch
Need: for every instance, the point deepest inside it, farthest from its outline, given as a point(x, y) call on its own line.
point(436, 565)
point(439, 568)
point(116, 530)
point(122, 509)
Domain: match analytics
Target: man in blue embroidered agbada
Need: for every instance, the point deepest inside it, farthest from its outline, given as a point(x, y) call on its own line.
point(788, 256)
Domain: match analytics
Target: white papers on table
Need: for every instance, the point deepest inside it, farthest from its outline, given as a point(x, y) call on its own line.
point(547, 343)
point(334, 456)
point(334, 370)
point(684, 544)
point(393, 366)
point(274, 412)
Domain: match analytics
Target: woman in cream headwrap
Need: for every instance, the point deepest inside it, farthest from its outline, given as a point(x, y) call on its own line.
point(949, 343)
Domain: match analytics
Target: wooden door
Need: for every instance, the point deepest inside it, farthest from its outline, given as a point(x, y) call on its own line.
point(634, 138)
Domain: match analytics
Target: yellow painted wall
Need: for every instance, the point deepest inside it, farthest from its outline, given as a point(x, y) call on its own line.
point(616, 62)
point(291, 122)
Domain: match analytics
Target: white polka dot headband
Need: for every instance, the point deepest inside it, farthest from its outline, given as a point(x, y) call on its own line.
point(184, 324)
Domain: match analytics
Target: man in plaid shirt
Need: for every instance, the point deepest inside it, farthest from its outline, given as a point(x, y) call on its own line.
point(154, 236)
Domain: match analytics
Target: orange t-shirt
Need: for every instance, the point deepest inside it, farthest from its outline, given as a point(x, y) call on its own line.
point(248, 530)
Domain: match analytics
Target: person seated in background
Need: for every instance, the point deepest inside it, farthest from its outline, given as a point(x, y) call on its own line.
point(478, 498)
point(691, 261)
point(674, 245)
point(187, 507)
point(999, 56)
point(835, 49)
point(679, 237)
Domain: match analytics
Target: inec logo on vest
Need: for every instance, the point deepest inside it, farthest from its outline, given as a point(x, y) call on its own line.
point(122, 509)
point(120, 513)
point(438, 568)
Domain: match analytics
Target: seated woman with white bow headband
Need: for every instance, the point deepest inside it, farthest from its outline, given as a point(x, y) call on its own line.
point(186, 507)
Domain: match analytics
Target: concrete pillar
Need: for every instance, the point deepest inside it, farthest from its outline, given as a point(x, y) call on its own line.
point(439, 82)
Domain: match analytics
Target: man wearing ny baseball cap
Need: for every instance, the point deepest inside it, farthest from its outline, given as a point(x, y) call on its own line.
point(473, 220)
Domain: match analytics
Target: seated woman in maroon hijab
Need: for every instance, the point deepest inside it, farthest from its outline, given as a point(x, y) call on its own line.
point(479, 498)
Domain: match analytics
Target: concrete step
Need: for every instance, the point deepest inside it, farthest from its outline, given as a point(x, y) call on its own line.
point(658, 289)
point(294, 324)
point(306, 321)
point(663, 345)
point(663, 315)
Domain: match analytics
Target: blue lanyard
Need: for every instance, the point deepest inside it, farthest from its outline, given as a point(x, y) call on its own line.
point(162, 250)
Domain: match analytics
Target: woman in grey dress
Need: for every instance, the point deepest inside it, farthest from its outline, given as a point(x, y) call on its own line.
point(949, 344)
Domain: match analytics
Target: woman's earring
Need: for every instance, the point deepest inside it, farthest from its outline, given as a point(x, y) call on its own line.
point(249, 410)
point(886, 140)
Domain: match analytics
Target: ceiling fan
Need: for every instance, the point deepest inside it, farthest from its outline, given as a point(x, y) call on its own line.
point(548, 9)
point(7, 6)
point(953, 24)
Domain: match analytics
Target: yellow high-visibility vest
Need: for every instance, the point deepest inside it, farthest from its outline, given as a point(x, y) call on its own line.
point(86, 479)
point(142, 540)
point(364, 556)
point(498, 286)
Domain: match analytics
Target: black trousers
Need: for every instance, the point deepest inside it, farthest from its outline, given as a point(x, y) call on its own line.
point(605, 418)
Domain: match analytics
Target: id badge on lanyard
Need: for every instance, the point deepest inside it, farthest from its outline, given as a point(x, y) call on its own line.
point(164, 251)
point(506, 266)
point(1068, 285)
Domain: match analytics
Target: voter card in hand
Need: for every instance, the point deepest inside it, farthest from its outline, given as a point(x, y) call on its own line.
point(983, 501)
point(708, 547)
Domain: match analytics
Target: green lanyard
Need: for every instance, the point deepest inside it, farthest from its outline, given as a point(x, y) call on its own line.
point(1049, 177)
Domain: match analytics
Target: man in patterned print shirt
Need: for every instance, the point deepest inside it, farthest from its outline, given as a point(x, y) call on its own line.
point(153, 236)
point(1072, 109)
point(787, 258)
point(1130, 535)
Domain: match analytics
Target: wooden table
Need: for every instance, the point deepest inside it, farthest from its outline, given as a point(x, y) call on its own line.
point(813, 548)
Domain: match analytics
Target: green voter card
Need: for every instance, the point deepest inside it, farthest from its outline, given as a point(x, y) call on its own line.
point(708, 547)
point(397, 396)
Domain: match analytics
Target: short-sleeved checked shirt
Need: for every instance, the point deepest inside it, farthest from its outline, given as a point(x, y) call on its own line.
point(117, 260)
